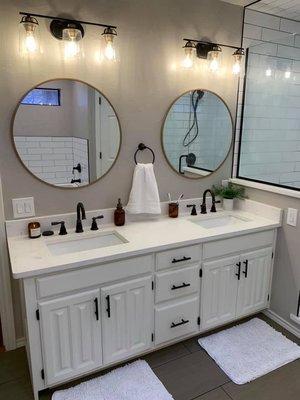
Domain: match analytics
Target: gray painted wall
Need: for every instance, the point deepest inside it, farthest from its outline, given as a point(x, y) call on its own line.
point(141, 87)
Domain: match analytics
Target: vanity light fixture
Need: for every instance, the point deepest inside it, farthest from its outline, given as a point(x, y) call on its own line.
point(189, 54)
point(70, 31)
point(29, 35)
point(238, 57)
point(211, 52)
point(109, 50)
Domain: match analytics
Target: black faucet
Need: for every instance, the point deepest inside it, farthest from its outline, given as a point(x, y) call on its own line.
point(80, 210)
point(213, 206)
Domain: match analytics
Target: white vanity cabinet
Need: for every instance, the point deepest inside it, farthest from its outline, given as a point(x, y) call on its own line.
point(238, 285)
point(219, 292)
point(177, 293)
point(127, 319)
point(70, 335)
point(253, 288)
point(91, 317)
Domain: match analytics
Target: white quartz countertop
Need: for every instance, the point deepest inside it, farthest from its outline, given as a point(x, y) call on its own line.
point(31, 258)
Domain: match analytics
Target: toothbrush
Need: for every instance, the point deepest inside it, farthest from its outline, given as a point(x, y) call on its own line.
point(180, 197)
point(169, 196)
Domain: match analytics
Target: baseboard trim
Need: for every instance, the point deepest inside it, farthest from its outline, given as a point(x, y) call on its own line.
point(284, 323)
point(21, 342)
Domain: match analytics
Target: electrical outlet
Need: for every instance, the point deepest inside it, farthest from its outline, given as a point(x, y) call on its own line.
point(23, 208)
point(292, 216)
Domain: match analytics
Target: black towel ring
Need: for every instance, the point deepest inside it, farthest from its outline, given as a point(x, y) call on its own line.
point(142, 147)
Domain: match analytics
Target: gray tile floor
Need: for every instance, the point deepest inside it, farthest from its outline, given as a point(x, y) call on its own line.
point(185, 369)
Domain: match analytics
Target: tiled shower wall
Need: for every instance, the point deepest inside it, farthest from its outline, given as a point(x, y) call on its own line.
point(53, 158)
point(270, 148)
point(214, 131)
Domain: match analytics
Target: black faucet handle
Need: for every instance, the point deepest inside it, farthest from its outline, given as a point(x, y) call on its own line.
point(203, 209)
point(213, 206)
point(94, 226)
point(62, 230)
point(193, 212)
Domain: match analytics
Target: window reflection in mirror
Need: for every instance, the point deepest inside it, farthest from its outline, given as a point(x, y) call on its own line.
point(66, 133)
point(197, 133)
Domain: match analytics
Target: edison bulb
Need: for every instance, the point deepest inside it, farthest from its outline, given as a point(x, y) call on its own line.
point(189, 55)
point(214, 58)
point(72, 38)
point(287, 74)
point(29, 35)
point(109, 51)
point(31, 45)
point(268, 72)
point(71, 49)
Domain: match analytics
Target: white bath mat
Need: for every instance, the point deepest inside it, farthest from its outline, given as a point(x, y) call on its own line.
point(135, 381)
point(250, 350)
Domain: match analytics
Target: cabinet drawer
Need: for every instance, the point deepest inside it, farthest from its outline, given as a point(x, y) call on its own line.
point(237, 244)
point(90, 276)
point(176, 320)
point(174, 284)
point(178, 257)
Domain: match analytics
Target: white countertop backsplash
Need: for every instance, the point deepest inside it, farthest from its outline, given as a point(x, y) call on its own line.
point(31, 257)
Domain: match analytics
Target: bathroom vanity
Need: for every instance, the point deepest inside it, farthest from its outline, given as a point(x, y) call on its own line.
point(151, 284)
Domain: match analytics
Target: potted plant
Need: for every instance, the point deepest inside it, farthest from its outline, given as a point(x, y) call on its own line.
point(228, 194)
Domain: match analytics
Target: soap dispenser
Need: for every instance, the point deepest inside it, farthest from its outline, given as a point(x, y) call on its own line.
point(119, 215)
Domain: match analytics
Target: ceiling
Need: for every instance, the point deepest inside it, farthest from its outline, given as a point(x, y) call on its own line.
point(283, 8)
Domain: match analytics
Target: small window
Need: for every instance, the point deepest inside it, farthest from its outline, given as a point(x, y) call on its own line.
point(42, 97)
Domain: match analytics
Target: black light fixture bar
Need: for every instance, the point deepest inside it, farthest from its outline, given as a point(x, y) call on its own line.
point(212, 43)
point(67, 20)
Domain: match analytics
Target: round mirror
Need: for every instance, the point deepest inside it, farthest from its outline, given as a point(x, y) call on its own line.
point(66, 133)
point(197, 133)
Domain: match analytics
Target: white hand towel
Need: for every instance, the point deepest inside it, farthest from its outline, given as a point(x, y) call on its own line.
point(144, 196)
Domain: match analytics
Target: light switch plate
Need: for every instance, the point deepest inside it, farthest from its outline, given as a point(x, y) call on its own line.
point(23, 208)
point(292, 216)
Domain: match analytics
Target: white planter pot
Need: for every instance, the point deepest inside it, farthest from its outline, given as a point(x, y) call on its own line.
point(228, 204)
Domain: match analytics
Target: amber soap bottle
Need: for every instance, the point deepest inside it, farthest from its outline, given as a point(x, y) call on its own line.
point(119, 215)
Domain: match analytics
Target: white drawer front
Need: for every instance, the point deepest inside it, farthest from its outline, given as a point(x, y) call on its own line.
point(237, 244)
point(174, 284)
point(178, 257)
point(90, 276)
point(176, 320)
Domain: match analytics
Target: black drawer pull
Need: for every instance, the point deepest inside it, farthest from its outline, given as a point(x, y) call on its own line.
point(238, 274)
point(108, 305)
point(174, 261)
point(181, 286)
point(96, 308)
point(183, 322)
point(245, 272)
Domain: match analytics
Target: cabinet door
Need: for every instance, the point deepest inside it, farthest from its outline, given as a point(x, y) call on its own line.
point(218, 292)
point(71, 335)
point(127, 318)
point(255, 279)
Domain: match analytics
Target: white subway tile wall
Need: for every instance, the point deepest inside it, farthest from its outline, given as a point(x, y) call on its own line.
point(215, 129)
point(270, 149)
point(52, 158)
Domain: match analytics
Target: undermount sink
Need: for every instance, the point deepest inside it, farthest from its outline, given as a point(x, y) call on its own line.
point(219, 222)
point(101, 240)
